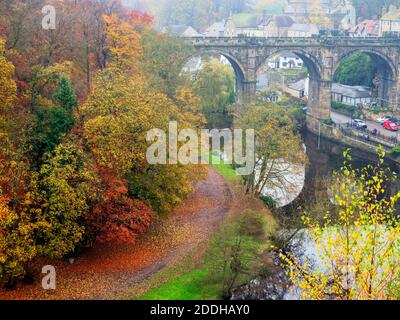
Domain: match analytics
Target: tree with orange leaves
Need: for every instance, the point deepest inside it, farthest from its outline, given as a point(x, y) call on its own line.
point(116, 216)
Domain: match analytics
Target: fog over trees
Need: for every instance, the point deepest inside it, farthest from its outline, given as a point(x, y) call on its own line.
point(202, 13)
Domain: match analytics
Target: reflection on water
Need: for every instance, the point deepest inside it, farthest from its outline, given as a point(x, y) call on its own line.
point(284, 186)
point(325, 157)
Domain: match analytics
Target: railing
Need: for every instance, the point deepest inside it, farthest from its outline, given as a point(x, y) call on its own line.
point(320, 40)
point(374, 138)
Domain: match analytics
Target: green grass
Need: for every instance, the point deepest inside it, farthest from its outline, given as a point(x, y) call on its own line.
point(190, 286)
point(226, 170)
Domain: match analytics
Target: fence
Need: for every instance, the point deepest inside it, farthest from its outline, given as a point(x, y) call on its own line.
point(373, 137)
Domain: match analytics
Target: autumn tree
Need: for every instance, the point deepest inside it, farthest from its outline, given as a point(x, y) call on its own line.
point(277, 145)
point(17, 245)
point(357, 251)
point(215, 85)
point(318, 15)
point(116, 216)
point(60, 195)
point(13, 123)
point(164, 57)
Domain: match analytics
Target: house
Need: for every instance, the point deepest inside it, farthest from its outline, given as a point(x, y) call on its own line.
point(390, 22)
point(217, 29)
point(299, 89)
point(342, 15)
point(302, 30)
point(251, 25)
point(181, 31)
point(285, 60)
point(351, 95)
point(366, 28)
point(190, 32)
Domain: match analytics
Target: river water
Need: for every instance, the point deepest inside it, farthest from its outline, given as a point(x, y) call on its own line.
point(324, 157)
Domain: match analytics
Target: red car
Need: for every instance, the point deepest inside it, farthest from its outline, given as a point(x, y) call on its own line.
point(389, 125)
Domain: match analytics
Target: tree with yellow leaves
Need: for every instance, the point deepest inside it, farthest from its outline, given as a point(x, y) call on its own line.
point(123, 42)
point(359, 251)
point(8, 88)
point(318, 15)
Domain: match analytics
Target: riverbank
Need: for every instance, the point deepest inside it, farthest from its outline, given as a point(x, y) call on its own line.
point(188, 278)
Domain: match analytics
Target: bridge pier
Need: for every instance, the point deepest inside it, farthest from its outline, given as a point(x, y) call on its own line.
point(394, 93)
point(250, 90)
point(319, 102)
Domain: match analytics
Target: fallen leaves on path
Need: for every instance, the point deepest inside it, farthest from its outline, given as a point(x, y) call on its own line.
point(108, 270)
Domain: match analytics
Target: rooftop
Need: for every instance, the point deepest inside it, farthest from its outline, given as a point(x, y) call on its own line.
point(395, 15)
point(370, 26)
point(299, 85)
point(351, 91)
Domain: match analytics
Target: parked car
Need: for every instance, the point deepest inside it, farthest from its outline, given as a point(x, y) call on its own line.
point(390, 125)
point(383, 119)
point(394, 120)
point(358, 124)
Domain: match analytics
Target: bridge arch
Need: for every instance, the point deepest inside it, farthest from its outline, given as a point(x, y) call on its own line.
point(240, 73)
point(317, 105)
point(311, 62)
point(386, 71)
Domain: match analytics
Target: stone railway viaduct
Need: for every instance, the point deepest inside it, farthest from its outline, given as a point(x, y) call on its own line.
point(321, 55)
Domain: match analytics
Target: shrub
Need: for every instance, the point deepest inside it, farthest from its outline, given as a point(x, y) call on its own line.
point(328, 122)
point(268, 201)
point(343, 107)
point(396, 151)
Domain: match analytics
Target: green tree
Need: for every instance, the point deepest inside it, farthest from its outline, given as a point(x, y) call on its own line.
point(65, 96)
point(277, 145)
point(215, 84)
point(52, 123)
point(358, 69)
point(163, 59)
point(234, 254)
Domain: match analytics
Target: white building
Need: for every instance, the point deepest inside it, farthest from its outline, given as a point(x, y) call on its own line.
point(299, 89)
point(390, 22)
point(216, 30)
point(351, 95)
point(286, 60)
point(252, 25)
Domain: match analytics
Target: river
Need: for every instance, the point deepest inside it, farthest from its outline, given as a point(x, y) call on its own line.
point(324, 157)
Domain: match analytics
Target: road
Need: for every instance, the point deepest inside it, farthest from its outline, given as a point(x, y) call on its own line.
point(342, 119)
